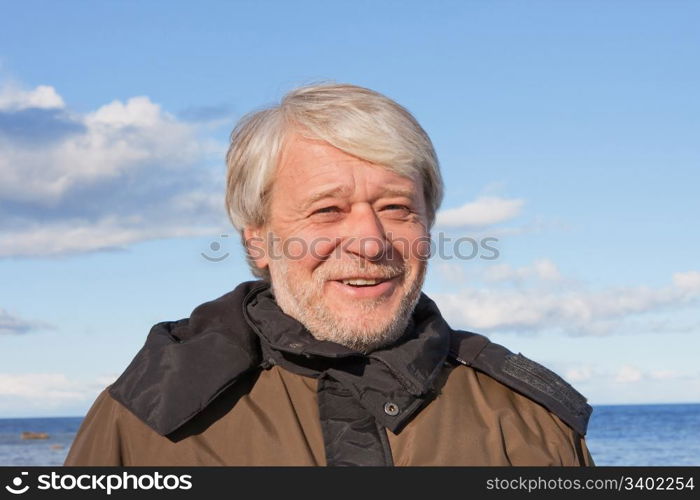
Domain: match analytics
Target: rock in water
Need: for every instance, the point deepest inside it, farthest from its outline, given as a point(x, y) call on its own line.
point(34, 435)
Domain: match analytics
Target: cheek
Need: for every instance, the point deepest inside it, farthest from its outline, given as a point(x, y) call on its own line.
point(304, 254)
point(421, 249)
point(411, 246)
point(320, 247)
point(294, 249)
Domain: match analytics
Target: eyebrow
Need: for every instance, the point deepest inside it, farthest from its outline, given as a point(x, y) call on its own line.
point(406, 193)
point(339, 191)
point(335, 192)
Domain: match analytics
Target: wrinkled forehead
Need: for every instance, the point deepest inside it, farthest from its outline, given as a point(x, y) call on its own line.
point(313, 169)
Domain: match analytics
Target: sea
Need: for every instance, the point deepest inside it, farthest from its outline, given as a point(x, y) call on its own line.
point(635, 435)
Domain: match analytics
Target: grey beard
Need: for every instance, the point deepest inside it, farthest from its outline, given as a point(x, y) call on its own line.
point(309, 310)
point(323, 326)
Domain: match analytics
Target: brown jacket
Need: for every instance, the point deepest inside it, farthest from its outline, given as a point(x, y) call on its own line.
point(450, 410)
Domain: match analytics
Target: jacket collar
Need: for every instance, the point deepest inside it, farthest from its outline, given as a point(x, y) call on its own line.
point(403, 374)
point(184, 365)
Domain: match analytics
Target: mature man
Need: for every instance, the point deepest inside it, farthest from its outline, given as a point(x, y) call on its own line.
point(334, 357)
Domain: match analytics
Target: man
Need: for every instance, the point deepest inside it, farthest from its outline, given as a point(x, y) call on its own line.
point(334, 357)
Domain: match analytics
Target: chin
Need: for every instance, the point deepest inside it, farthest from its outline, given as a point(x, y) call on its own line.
point(365, 330)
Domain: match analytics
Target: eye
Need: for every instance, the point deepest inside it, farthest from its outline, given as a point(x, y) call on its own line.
point(394, 207)
point(327, 210)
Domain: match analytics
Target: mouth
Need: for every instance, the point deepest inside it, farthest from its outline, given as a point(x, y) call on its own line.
point(362, 282)
point(365, 287)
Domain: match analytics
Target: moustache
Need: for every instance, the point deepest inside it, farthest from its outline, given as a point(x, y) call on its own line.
point(334, 272)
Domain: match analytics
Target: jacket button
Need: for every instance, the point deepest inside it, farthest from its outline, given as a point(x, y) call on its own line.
point(391, 409)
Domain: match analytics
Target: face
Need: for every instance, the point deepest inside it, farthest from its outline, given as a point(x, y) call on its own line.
point(346, 244)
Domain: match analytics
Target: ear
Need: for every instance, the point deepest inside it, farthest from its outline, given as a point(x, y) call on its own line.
point(256, 246)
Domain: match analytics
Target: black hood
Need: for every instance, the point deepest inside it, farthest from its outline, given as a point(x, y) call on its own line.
point(184, 365)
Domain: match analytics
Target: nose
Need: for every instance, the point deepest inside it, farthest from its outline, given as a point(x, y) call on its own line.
point(364, 234)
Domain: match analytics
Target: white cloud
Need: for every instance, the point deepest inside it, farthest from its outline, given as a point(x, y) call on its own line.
point(13, 325)
point(665, 374)
point(483, 211)
point(126, 172)
point(574, 310)
point(105, 380)
point(48, 392)
point(14, 98)
point(52, 387)
point(73, 236)
point(688, 281)
point(578, 374)
point(631, 384)
point(541, 269)
point(624, 374)
point(452, 272)
point(118, 140)
point(627, 374)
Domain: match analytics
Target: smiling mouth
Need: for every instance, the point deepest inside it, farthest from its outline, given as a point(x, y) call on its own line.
point(363, 282)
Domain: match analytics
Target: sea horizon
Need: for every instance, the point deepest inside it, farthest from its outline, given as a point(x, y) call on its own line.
point(593, 405)
point(634, 434)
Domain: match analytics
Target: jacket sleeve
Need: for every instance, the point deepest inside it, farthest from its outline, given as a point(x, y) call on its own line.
point(98, 440)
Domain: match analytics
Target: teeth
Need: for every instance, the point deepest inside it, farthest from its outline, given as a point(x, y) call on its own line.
point(361, 282)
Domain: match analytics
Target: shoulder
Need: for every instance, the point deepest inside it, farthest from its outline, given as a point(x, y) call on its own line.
point(105, 411)
point(184, 365)
point(111, 435)
point(97, 441)
point(523, 376)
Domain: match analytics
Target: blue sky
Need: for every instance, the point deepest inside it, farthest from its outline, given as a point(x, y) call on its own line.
point(566, 130)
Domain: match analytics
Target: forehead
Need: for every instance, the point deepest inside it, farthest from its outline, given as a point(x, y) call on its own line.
point(309, 168)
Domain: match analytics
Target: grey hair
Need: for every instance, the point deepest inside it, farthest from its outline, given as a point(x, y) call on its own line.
point(356, 120)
